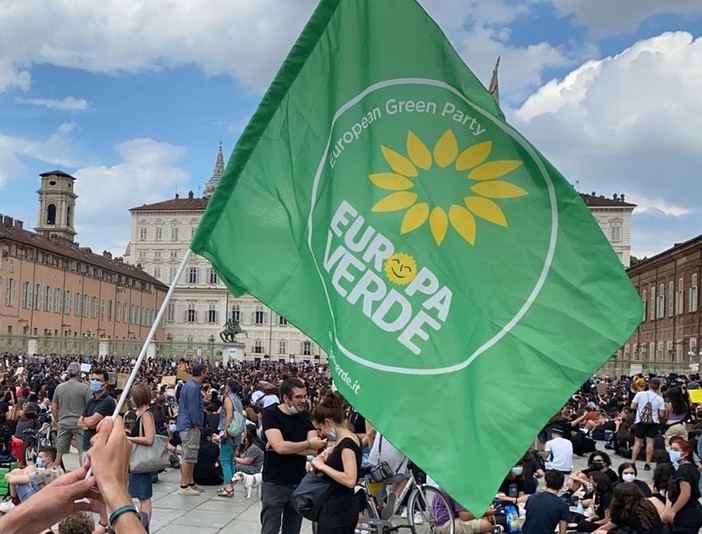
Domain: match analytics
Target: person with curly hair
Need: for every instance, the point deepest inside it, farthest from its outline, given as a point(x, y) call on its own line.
point(682, 508)
point(630, 511)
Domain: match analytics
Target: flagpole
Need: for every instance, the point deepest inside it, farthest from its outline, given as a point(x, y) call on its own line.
point(149, 337)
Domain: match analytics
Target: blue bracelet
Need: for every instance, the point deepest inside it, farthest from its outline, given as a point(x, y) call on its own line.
point(122, 510)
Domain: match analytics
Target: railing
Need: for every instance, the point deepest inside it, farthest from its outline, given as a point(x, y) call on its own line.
point(618, 366)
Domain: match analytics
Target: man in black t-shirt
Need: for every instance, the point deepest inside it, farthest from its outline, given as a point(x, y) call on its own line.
point(99, 407)
point(291, 437)
point(546, 510)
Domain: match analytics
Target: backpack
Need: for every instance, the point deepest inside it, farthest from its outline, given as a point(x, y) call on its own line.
point(647, 412)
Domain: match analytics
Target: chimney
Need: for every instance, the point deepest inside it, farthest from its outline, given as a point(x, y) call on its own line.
point(107, 254)
point(177, 196)
point(622, 197)
point(191, 195)
point(18, 224)
point(7, 221)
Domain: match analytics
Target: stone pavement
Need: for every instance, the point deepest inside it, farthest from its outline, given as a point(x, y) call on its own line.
point(210, 514)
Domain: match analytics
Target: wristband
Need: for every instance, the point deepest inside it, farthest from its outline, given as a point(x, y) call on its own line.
point(122, 510)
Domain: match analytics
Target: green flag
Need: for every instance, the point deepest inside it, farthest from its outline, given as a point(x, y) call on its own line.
point(379, 201)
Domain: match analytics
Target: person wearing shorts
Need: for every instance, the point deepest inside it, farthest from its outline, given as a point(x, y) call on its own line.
point(69, 401)
point(647, 430)
point(189, 422)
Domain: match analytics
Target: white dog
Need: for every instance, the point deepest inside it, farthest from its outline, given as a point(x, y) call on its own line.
point(250, 482)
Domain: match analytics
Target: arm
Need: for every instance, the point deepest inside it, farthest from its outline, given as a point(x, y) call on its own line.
point(88, 423)
point(228, 413)
point(243, 461)
point(54, 413)
point(348, 477)
point(149, 428)
point(562, 526)
point(685, 493)
point(281, 446)
point(17, 478)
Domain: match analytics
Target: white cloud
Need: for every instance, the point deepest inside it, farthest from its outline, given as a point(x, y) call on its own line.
point(58, 149)
point(608, 17)
point(629, 124)
point(148, 172)
point(70, 103)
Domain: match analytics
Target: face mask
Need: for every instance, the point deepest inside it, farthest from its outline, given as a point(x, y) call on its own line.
point(291, 408)
point(628, 477)
point(332, 434)
point(95, 386)
point(516, 471)
point(597, 465)
point(675, 456)
point(590, 487)
point(39, 462)
point(173, 428)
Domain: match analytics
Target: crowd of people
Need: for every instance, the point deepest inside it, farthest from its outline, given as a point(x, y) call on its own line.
point(268, 424)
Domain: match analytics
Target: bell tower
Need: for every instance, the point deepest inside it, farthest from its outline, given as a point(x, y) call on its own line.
point(57, 203)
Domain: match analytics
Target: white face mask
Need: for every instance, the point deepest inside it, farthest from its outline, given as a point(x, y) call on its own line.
point(628, 477)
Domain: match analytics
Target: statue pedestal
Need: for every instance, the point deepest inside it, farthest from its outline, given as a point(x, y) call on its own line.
point(232, 350)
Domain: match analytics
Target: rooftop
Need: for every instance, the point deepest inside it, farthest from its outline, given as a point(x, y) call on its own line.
point(191, 203)
point(13, 230)
point(601, 201)
point(57, 173)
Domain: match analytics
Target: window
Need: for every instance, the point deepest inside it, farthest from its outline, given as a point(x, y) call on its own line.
point(212, 313)
point(157, 253)
point(86, 305)
point(26, 295)
point(652, 314)
point(644, 294)
point(191, 313)
point(259, 315)
point(38, 296)
point(616, 233)
point(47, 299)
point(306, 348)
point(94, 308)
point(143, 234)
point(51, 214)
point(171, 274)
point(159, 233)
point(118, 312)
point(170, 312)
point(660, 311)
point(109, 310)
point(174, 254)
point(282, 321)
point(10, 292)
point(157, 271)
point(174, 233)
point(236, 312)
point(79, 305)
point(282, 347)
point(671, 298)
point(58, 300)
point(192, 275)
point(680, 297)
point(258, 346)
point(693, 294)
point(192, 232)
point(212, 277)
point(67, 303)
point(142, 254)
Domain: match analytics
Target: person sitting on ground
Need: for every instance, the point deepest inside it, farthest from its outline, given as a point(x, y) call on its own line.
point(628, 473)
point(79, 523)
point(630, 511)
point(511, 491)
point(597, 462)
point(463, 521)
point(558, 452)
point(208, 471)
point(602, 498)
point(546, 510)
point(26, 482)
point(662, 475)
point(250, 460)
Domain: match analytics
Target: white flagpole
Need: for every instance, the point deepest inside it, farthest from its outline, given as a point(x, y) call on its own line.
point(150, 336)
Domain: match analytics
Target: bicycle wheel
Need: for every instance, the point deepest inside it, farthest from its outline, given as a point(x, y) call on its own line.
point(428, 509)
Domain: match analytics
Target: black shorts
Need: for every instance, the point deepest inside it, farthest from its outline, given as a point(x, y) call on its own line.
point(646, 430)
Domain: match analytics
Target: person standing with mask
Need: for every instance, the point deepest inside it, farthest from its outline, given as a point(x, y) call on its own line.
point(101, 405)
point(291, 437)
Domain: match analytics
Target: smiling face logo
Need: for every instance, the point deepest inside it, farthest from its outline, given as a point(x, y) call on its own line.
point(438, 171)
point(400, 268)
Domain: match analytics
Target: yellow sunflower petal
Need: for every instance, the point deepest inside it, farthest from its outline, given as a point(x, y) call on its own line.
point(498, 189)
point(438, 222)
point(486, 209)
point(391, 181)
point(415, 217)
point(494, 169)
point(399, 163)
point(446, 149)
point(418, 152)
point(473, 156)
point(396, 201)
point(463, 222)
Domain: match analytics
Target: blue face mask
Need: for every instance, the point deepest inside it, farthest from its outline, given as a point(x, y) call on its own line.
point(332, 434)
point(675, 457)
point(516, 471)
point(39, 463)
point(173, 428)
point(95, 386)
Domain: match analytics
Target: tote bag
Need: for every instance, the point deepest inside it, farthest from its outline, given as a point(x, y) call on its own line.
point(311, 494)
point(150, 458)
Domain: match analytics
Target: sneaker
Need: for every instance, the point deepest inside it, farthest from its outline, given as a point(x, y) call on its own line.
point(197, 488)
point(403, 514)
point(6, 506)
point(647, 467)
point(497, 529)
point(189, 491)
point(418, 518)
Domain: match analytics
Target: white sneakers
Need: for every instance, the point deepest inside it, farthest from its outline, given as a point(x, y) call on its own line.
point(6, 506)
point(418, 517)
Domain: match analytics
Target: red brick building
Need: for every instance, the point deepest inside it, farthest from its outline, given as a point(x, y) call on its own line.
point(668, 284)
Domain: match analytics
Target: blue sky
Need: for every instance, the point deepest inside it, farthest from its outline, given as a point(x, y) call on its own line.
point(133, 97)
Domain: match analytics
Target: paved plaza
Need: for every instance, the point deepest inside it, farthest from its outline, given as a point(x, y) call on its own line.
point(210, 514)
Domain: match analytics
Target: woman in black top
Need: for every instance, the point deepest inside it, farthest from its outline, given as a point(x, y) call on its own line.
point(682, 508)
point(339, 514)
point(602, 498)
point(632, 512)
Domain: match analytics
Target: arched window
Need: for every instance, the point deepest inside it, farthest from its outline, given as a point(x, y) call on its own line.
point(68, 216)
point(51, 214)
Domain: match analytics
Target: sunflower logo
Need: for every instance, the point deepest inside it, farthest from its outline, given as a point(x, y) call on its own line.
point(424, 170)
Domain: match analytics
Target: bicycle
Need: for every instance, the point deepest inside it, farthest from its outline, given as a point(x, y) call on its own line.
point(427, 508)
